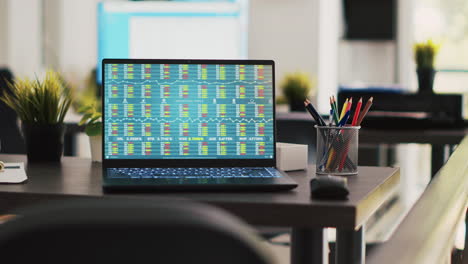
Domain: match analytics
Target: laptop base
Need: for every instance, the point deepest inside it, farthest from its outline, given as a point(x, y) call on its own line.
point(279, 181)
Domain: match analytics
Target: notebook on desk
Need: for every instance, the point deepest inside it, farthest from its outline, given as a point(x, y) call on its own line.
point(189, 125)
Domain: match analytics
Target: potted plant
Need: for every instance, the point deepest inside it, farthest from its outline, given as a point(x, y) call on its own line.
point(424, 54)
point(296, 87)
point(92, 119)
point(41, 107)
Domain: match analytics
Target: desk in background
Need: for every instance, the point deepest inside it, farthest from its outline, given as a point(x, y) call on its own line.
point(79, 178)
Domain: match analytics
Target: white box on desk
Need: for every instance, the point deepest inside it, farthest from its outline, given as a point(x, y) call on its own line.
point(291, 157)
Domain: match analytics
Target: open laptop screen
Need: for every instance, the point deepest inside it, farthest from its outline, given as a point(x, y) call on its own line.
point(188, 109)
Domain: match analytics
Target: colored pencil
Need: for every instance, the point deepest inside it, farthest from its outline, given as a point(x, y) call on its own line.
point(335, 111)
point(314, 113)
point(350, 104)
point(331, 158)
point(356, 112)
point(335, 102)
point(343, 158)
point(306, 105)
point(364, 111)
point(343, 109)
point(332, 110)
point(344, 119)
point(353, 123)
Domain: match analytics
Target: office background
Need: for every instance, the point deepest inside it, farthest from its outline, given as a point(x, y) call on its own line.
point(308, 35)
point(305, 35)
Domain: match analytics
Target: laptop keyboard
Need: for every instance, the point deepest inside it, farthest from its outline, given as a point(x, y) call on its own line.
point(150, 173)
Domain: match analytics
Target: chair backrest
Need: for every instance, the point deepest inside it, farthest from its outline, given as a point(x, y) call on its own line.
point(129, 231)
point(10, 137)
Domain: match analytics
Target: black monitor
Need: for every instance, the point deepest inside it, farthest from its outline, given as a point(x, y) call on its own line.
point(370, 19)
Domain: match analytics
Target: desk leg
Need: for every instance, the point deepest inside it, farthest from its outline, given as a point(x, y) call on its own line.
point(437, 158)
point(439, 155)
point(350, 246)
point(309, 246)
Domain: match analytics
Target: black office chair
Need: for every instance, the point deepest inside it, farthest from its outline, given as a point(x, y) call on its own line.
point(128, 231)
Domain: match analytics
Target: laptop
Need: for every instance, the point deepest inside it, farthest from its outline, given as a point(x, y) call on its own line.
point(190, 125)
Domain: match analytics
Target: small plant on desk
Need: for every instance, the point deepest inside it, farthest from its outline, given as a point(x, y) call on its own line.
point(424, 55)
point(296, 88)
point(41, 104)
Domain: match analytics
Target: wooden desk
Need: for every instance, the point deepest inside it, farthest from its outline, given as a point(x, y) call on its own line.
point(76, 177)
point(440, 139)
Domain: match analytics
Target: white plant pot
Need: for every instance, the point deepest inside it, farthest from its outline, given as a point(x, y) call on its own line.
point(95, 143)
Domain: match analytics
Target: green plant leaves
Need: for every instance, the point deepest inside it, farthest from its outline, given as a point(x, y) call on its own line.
point(84, 108)
point(424, 54)
point(93, 129)
point(296, 86)
point(95, 117)
point(85, 118)
point(41, 102)
point(92, 119)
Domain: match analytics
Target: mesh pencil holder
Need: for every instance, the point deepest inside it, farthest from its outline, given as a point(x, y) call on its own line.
point(337, 150)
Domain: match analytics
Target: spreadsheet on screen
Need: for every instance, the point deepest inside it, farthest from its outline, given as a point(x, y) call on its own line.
point(188, 111)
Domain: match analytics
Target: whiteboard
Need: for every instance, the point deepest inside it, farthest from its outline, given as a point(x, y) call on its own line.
point(185, 37)
point(172, 30)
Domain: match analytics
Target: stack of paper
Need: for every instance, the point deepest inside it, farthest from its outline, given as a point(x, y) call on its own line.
point(13, 173)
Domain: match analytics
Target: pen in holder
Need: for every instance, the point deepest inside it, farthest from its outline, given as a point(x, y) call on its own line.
point(337, 150)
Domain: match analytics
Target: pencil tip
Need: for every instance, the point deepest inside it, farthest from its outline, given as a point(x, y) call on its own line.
point(371, 99)
point(360, 99)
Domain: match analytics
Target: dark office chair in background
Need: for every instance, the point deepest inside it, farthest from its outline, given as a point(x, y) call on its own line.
point(10, 138)
point(128, 231)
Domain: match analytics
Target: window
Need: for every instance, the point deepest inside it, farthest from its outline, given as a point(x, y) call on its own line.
point(446, 21)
